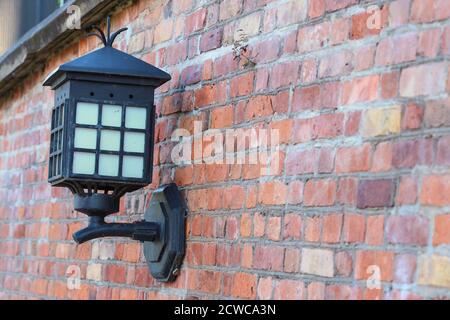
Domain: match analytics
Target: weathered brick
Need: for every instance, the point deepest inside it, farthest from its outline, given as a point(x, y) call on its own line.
point(318, 262)
point(405, 267)
point(435, 190)
point(441, 227)
point(354, 228)
point(434, 270)
point(360, 90)
point(381, 121)
point(320, 192)
point(382, 259)
point(375, 193)
point(426, 79)
point(332, 224)
point(407, 230)
point(289, 290)
point(353, 159)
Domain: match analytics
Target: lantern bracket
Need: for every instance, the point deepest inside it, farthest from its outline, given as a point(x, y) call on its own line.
point(109, 38)
point(162, 231)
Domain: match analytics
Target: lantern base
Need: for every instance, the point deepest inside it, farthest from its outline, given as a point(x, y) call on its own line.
point(165, 255)
point(97, 204)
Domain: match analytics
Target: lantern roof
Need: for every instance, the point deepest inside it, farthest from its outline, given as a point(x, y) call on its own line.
point(111, 63)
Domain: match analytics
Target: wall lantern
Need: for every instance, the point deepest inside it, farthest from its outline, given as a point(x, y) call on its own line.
point(101, 147)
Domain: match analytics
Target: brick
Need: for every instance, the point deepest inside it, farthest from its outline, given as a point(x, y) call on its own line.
point(316, 291)
point(318, 262)
point(406, 154)
point(327, 126)
point(316, 9)
point(259, 106)
point(434, 270)
point(426, 79)
point(360, 90)
point(382, 157)
point(375, 193)
point(274, 228)
point(441, 227)
point(291, 12)
point(365, 24)
point(405, 268)
point(407, 230)
point(342, 292)
point(265, 50)
point(292, 226)
point(347, 191)
point(195, 21)
point(375, 230)
point(381, 121)
point(312, 38)
point(308, 72)
point(332, 224)
point(443, 151)
point(437, 113)
point(352, 123)
point(429, 42)
point(244, 285)
point(337, 64)
point(313, 229)
point(344, 263)
point(399, 13)
point(272, 193)
point(435, 190)
point(333, 5)
point(383, 259)
point(354, 228)
point(429, 10)
point(242, 85)
point(316, 97)
point(250, 24)
point(364, 58)
point(284, 74)
point(389, 85)
point(284, 128)
point(292, 260)
point(94, 272)
point(413, 116)
point(353, 159)
point(268, 258)
point(229, 9)
point(222, 117)
point(407, 191)
point(265, 288)
point(289, 290)
point(395, 50)
point(163, 31)
point(191, 75)
point(259, 224)
point(320, 192)
point(211, 40)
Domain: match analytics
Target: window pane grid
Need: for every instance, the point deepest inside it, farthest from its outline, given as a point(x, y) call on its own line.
point(56, 141)
point(106, 150)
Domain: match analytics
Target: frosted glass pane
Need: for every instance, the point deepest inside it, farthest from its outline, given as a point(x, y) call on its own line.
point(83, 163)
point(135, 118)
point(112, 115)
point(110, 140)
point(134, 142)
point(133, 167)
point(85, 138)
point(87, 113)
point(108, 165)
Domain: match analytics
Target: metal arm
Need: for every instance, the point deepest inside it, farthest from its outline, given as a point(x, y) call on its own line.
point(98, 228)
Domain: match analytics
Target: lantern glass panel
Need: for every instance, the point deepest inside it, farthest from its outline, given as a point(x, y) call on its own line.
point(87, 113)
point(108, 165)
point(136, 118)
point(83, 163)
point(134, 142)
point(133, 167)
point(85, 138)
point(112, 115)
point(110, 140)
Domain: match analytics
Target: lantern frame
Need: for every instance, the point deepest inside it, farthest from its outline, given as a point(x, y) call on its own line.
point(103, 77)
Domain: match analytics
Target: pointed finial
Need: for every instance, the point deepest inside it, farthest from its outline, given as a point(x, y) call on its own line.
point(107, 40)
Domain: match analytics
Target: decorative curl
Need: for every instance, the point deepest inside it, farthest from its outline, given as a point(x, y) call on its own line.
point(109, 38)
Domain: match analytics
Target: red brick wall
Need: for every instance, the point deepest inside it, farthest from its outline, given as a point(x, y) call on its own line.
point(364, 120)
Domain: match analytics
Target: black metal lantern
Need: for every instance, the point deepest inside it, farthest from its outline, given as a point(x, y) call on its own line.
point(101, 147)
